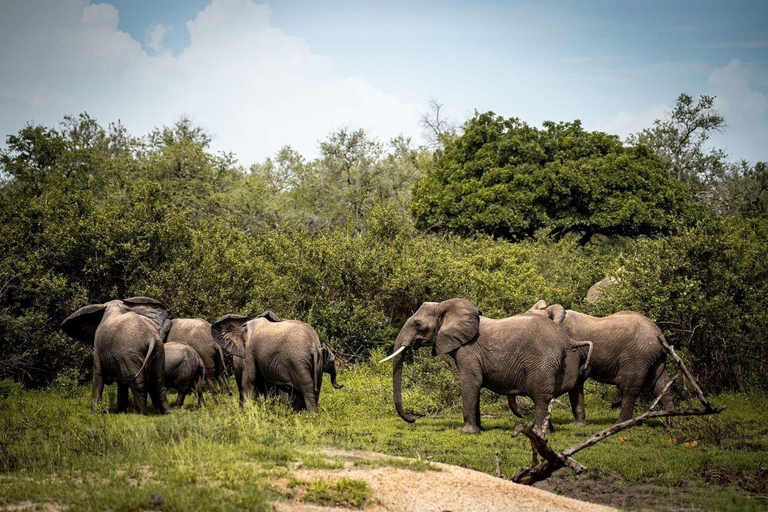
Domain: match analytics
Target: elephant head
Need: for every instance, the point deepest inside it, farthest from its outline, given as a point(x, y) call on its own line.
point(555, 312)
point(446, 326)
point(329, 366)
point(82, 324)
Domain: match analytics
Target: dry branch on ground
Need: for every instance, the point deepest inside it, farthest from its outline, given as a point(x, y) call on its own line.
point(540, 470)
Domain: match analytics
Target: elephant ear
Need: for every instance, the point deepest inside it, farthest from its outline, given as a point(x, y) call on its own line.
point(150, 308)
point(540, 305)
point(82, 324)
point(460, 323)
point(269, 315)
point(557, 313)
point(166, 329)
point(229, 332)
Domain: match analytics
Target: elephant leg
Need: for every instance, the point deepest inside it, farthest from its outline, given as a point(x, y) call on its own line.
point(250, 379)
point(139, 399)
point(211, 384)
point(122, 397)
point(310, 401)
point(299, 404)
point(180, 398)
point(97, 388)
point(628, 397)
point(658, 387)
point(156, 382)
point(285, 399)
point(576, 397)
point(199, 392)
point(224, 385)
point(541, 404)
point(470, 396)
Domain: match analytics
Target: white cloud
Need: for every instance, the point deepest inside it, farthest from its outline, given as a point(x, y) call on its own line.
point(154, 36)
point(626, 123)
point(249, 83)
point(745, 109)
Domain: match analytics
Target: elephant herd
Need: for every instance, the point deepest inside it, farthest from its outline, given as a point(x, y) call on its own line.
point(138, 347)
point(542, 353)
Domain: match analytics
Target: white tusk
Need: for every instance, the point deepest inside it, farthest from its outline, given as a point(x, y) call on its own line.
point(393, 355)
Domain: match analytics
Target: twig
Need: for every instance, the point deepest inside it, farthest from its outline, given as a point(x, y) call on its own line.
point(671, 351)
point(498, 461)
point(553, 461)
point(653, 404)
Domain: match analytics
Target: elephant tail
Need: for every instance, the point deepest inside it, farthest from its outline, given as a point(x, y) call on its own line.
point(146, 358)
point(584, 369)
point(512, 402)
point(317, 371)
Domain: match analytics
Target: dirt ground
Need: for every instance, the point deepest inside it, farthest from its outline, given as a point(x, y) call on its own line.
point(451, 489)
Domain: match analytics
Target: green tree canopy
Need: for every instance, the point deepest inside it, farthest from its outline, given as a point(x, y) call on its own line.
point(508, 179)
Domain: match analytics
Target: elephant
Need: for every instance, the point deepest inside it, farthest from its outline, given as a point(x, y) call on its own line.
point(196, 332)
point(597, 290)
point(127, 339)
point(287, 393)
point(524, 354)
point(627, 354)
point(184, 371)
point(271, 354)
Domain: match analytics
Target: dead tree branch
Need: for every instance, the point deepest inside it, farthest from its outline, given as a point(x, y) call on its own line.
point(671, 351)
point(553, 461)
point(498, 461)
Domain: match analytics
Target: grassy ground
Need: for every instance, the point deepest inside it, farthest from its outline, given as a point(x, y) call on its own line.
point(52, 450)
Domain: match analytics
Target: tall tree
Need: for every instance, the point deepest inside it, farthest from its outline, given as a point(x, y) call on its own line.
point(505, 178)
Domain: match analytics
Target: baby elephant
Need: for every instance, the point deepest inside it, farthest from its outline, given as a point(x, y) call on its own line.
point(184, 371)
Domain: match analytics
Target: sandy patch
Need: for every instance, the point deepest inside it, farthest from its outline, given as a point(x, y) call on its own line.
point(451, 489)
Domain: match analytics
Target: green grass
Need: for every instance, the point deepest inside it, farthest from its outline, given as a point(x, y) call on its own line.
point(344, 492)
point(52, 450)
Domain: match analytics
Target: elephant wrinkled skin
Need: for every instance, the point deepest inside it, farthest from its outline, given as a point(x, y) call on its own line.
point(127, 339)
point(196, 332)
point(626, 353)
point(273, 355)
point(521, 355)
point(184, 371)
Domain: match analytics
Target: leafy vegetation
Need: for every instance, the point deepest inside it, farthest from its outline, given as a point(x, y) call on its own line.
point(91, 213)
point(505, 178)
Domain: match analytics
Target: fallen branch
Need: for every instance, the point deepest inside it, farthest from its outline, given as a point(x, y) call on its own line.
point(498, 461)
point(553, 461)
point(671, 351)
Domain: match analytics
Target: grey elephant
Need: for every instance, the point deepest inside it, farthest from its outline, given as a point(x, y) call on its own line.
point(272, 354)
point(597, 291)
point(521, 355)
point(184, 371)
point(196, 332)
point(127, 339)
point(626, 353)
point(288, 395)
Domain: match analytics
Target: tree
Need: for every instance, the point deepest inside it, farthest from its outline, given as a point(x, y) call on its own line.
point(681, 139)
point(437, 129)
point(508, 179)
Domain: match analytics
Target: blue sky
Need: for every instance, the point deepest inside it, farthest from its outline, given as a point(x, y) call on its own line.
point(260, 76)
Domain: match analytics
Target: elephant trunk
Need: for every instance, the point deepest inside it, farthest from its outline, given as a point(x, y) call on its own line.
point(397, 377)
point(332, 373)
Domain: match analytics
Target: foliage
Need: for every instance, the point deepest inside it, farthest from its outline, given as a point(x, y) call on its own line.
point(707, 288)
point(90, 214)
point(682, 140)
point(507, 179)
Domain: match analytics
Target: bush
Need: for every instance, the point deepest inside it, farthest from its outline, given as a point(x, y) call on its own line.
point(707, 288)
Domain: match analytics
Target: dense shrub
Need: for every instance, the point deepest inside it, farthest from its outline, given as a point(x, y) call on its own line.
point(708, 289)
